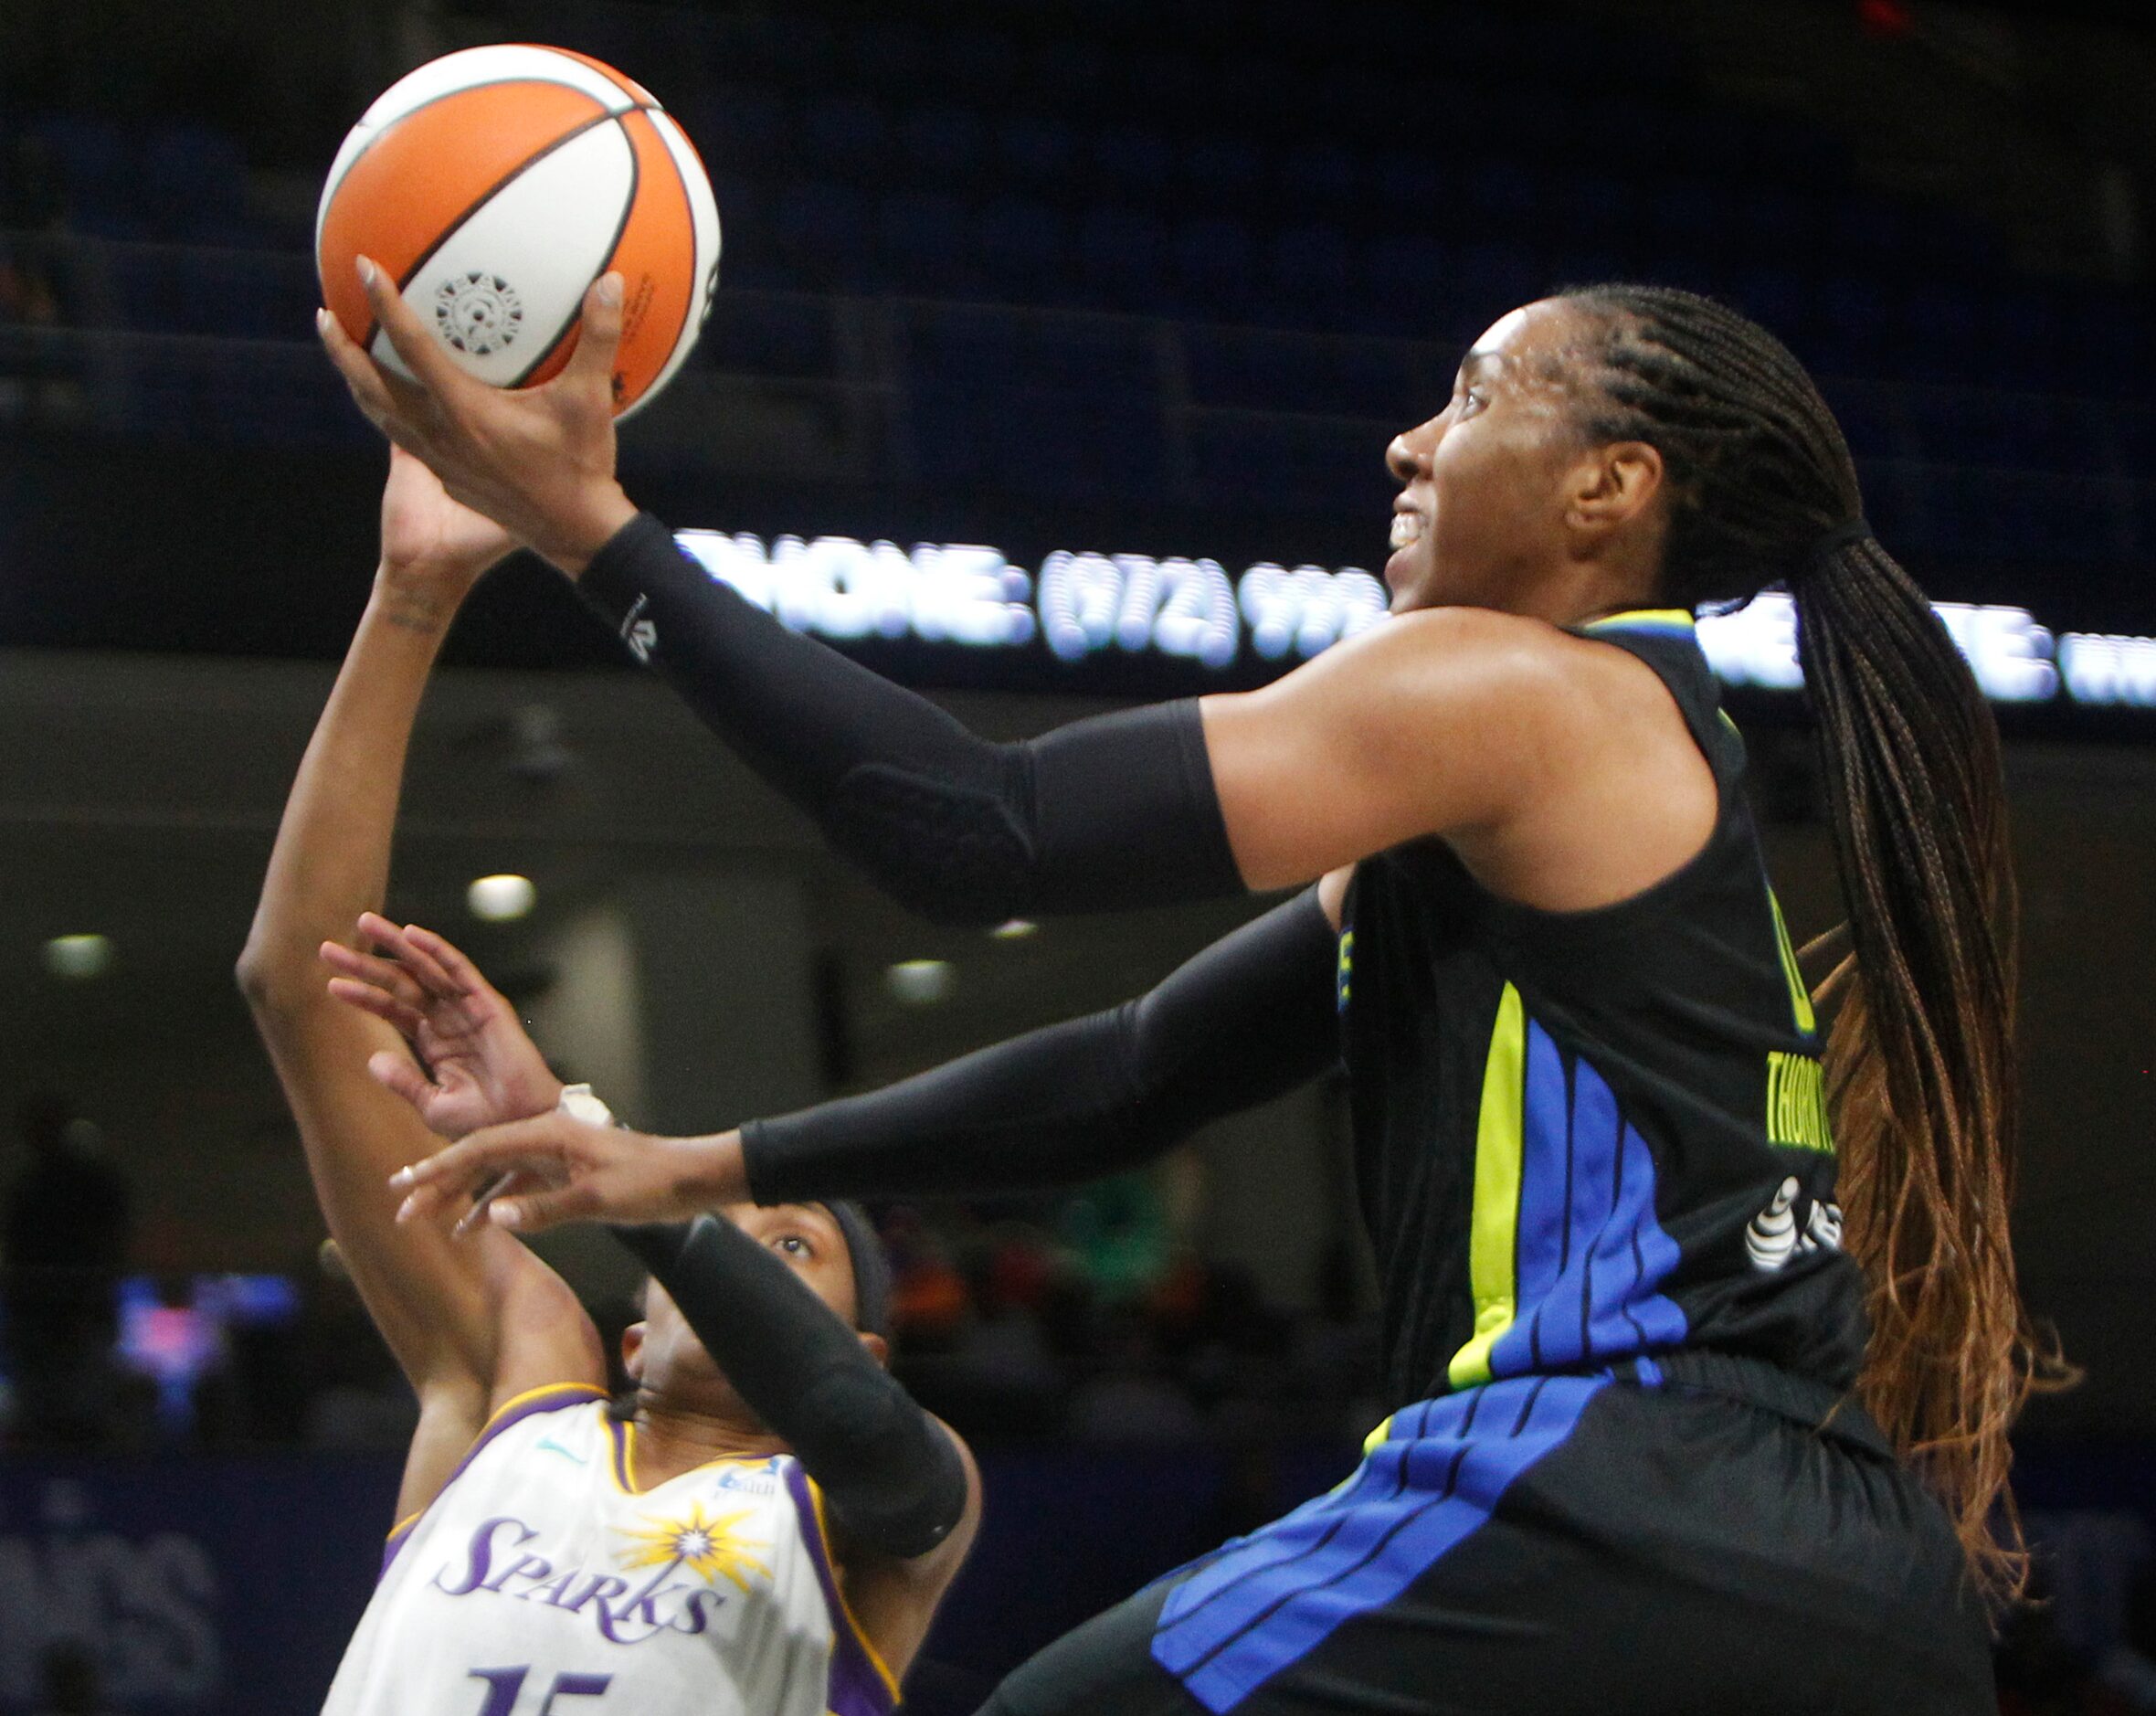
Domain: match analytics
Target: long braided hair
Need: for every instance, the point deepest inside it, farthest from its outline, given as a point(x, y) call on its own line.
point(1920, 1059)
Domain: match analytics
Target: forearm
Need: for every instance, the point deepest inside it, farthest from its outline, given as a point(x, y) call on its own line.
point(892, 1474)
point(1115, 811)
point(331, 860)
point(1249, 1019)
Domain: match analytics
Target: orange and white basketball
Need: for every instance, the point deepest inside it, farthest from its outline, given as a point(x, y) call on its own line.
point(494, 185)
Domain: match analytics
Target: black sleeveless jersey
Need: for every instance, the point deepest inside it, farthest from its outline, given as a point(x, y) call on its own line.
point(1587, 1136)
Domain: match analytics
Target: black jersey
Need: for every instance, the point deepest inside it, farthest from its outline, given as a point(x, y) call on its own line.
point(1585, 1136)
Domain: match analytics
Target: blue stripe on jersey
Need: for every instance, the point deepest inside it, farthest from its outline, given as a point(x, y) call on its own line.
point(1267, 1600)
point(1590, 1255)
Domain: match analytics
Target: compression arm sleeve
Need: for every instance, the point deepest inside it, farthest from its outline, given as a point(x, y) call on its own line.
point(1249, 1019)
point(1114, 811)
point(892, 1474)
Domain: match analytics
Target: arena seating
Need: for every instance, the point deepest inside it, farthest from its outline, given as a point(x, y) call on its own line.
point(1223, 172)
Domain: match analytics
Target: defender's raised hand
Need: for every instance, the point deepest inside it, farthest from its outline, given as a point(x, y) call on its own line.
point(486, 1069)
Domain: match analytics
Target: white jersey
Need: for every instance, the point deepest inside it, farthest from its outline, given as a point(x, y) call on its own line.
point(539, 1582)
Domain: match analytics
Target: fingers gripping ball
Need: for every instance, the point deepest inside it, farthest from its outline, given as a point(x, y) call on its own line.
point(494, 185)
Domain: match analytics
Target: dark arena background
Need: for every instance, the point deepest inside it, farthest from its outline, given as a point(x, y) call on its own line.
point(1056, 349)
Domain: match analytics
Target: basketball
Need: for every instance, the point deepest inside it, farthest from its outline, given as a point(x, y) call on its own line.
point(495, 184)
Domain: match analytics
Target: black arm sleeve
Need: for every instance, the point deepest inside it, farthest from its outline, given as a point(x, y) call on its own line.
point(892, 1473)
point(1114, 811)
point(1249, 1019)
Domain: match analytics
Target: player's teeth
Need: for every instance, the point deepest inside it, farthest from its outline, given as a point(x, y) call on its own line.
point(1406, 529)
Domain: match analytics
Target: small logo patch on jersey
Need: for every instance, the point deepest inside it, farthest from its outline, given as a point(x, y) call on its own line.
point(551, 1447)
point(1778, 1237)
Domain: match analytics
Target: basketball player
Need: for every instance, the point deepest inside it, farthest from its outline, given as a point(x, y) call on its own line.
point(772, 1527)
point(1702, 1401)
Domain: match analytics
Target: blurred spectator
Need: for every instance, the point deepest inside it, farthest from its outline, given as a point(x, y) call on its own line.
point(361, 1399)
point(66, 1231)
point(72, 1684)
point(1119, 1230)
point(929, 1304)
point(2128, 1670)
point(32, 383)
point(1132, 1398)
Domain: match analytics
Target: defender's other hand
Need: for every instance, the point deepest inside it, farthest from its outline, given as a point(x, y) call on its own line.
point(536, 1174)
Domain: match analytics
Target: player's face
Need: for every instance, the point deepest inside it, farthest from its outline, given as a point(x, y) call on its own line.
point(665, 1355)
point(1480, 504)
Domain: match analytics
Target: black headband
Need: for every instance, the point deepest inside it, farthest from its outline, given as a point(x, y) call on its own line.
point(871, 1266)
point(1857, 529)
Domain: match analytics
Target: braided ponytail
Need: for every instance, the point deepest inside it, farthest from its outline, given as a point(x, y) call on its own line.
point(1920, 1061)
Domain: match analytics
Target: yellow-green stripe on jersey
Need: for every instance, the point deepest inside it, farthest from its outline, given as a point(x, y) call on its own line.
point(1565, 1255)
point(1495, 1228)
point(1800, 998)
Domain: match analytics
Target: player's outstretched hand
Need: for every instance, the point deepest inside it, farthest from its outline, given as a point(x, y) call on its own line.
point(539, 461)
point(537, 1173)
point(486, 1070)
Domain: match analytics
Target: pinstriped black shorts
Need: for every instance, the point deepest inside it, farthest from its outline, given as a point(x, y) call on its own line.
point(1549, 1545)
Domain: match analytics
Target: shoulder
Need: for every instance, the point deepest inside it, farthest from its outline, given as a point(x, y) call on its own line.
point(1528, 694)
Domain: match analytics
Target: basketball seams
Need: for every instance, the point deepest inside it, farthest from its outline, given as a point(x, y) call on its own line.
point(339, 174)
point(706, 243)
point(488, 195)
point(629, 204)
point(666, 240)
point(674, 345)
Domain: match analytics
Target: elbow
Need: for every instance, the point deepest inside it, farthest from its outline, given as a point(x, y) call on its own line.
point(953, 854)
point(273, 980)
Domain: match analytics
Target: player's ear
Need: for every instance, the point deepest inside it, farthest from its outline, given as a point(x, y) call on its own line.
point(632, 1351)
point(877, 1348)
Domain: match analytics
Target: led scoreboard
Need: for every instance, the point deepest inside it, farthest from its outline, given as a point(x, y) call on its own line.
point(1194, 614)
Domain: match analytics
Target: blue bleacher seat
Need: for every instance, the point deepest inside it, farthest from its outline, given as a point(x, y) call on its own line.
point(1215, 262)
point(979, 64)
point(847, 138)
point(1024, 250)
point(1131, 161)
point(1487, 279)
point(1873, 419)
point(943, 144)
point(927, 243)
point(888, 56)
point(1122, 257)
point(1227, 174)
point(741, 128)
point(1781, 227)
point(193, 185)
point(1406, 284)
point(821, 232)
point(1039, 152)
point(769, 335)
point(1321, 178)
point(1308, 267)
point(1505, 196)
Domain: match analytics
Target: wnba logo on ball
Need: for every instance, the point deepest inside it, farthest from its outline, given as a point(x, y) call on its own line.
point(477, 313)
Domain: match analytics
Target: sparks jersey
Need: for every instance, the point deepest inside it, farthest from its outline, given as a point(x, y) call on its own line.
point(1583, 1136)
point(541, 1582)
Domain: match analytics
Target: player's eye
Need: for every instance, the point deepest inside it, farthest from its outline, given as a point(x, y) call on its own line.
point(793, 1245)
